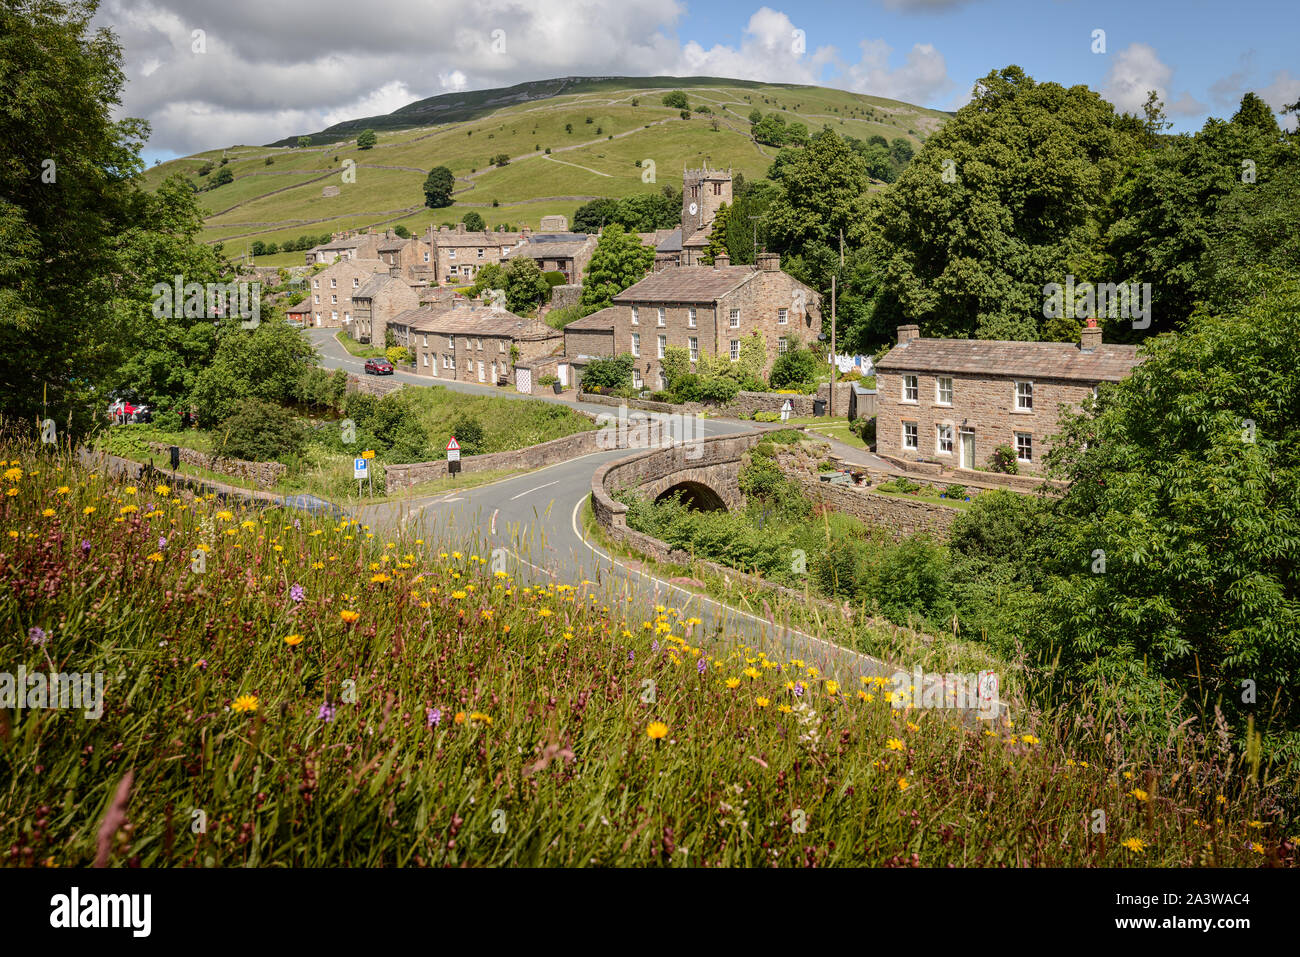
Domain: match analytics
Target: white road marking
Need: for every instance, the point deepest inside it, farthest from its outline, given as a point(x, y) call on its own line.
point(494, 520)
point(531, 490)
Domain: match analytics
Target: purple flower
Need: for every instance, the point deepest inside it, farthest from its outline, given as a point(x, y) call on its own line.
point(296, 592)
point(85, 547)
point(798, 689)
point(162, 542)
point(631, 656)
point(434, 716)
point(37, 635)
point(654, 646)
point(203, 662)
point(297, 524)
point(326, 712)
point(700, 666)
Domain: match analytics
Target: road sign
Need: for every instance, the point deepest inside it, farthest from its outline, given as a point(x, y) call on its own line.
point(368, 454)
point(453, 450)
point(786, 409)
point(360, 468)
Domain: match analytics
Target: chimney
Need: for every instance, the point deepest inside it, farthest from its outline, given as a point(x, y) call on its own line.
point(907, 333)
point(442, 229)
point(1089, 336)
point(460, 228)
point(769, 262)
point(525, 232)
point(395, 272)
point(721, 261)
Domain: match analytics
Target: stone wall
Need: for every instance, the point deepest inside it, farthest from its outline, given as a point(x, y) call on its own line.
point(372, 385)
point(745, 404)
point(954, 476)
point(261, 474)
point(566, 294)
point(547, 453)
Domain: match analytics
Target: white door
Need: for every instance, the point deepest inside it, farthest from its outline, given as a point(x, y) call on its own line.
point(480, 371)
point(967, 450)
point(562, 370)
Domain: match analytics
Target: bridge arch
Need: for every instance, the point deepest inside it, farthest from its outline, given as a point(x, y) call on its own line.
point(695, 495)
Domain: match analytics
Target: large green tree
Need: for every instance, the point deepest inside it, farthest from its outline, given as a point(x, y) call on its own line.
point(618, 261)
point(1002, 200)
point(438, 186)
point(265, 363)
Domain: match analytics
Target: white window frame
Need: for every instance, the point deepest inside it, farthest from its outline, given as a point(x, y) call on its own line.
point(480, 254)
point(636, 345)
point(1024, 399)
point(356, 283)
point(1028, 440)
point(733, 319)
point(451, 342)
point(334, 283)
point(782, 317)
point(782, 346)
point(334, 316)
point(690, 318)
point(636, 315)
point(911, 388)
point(943, 434)
point(735, 350)
point(911, 440)
point(662, 317)
point(315, 283)
point(451, 254)
point(939, 390)
point(663, 345)
point(637, 382)
point(334, 300)
point(695, 348)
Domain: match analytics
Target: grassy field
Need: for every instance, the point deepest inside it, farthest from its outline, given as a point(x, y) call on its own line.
point(317, 696)
point(583, 162)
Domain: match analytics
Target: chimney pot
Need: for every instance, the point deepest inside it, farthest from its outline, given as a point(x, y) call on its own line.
point(721, 261)
point(908, 333)
point(1089, 336)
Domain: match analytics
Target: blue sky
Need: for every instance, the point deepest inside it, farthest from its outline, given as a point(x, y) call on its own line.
point(271, 70)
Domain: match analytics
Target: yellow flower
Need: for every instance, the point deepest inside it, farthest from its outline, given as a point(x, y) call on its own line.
point(62, 490)
point(13, 475)
point(245, 702)
point(1221, 800)
point(13, 535)
point(349, 616)
point(783, 708)
point(1257, 848)
point(380, 578)
point(11, 492)
point(733, 682)
point(127, 509)
point(458, 595)
point(47, 512)
point(225, 516)
point(895, 744)
point(1028, 739)
point(87, 510)
point(544, 612)
point(832, 688)
point(902, 784)
point(656, 730)
point(292, 640)
point(480, 716)
point(162, 490)
point(752, 672)
point(129, 490)
point(1255, 824)
point(1139, 794)
point(913, 727)
point(460, 717)
point(1135, 844)
point(762, 702)
point(156, 557)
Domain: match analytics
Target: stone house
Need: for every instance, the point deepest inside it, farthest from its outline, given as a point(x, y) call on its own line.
point(377, 302)
point(330, 292)
point(412, 256)
point(467, 341)
point(458, 254)
point(567, 253)
point(953, 401)
point(346, 245)
point(704, 309)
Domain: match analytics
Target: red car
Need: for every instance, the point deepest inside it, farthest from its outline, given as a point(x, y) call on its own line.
point(379, 367)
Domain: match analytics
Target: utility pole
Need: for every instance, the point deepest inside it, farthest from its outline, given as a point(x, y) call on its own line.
point(834, 368)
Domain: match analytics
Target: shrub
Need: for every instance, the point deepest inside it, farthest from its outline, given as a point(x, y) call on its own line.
point(260, 432)
point(611, 373)
point(676, 99)
point(548, 380)
point(397, 355)
point(767, 416)
point(866, 429)
point(828, 466)
point(955, 491)
point(468, 433)
point(794, 367)
point(717, 389)
point(1003, 459)
point(167, 422)
point(554, 278)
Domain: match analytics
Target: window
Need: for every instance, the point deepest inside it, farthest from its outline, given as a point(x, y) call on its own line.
point(334, 283)
point(943, 390)
point(943, 439)
point(504, 250)
point(690, 317)
point(695, 348)
point(315, 283)
point(735, 350)
point(782, 316)
point(347, 317)
point(426, 255)
point(334, 300)
point(636, 379)
point(426, 339)
point(636, 316)
point(661, 316)
point(1024, 396)
point(334, 316)
point(663, 344)
point(447, 363)
point(356, 283)
point(426, 358)
point(480, 254)
point(636, 344)
point(466, 270)
point(479, 345)
point(315, 299)
point(1024, 447)
point(910, 390)
point(501, 345)
point(909, 435)
point(782, 345)
point(451, 254)
point(734, 322)
point(451, 342)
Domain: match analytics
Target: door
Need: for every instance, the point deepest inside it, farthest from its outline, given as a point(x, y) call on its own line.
point(967, 450)
point(480, 371)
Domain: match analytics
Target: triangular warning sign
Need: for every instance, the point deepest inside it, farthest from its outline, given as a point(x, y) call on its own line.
point(453, 445)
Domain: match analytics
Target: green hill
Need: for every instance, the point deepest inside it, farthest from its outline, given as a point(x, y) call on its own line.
point(597, 131)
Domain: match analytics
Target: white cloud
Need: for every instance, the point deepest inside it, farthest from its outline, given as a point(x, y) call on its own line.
point(1136, 70)
point(922, 76)
point(1282, 92)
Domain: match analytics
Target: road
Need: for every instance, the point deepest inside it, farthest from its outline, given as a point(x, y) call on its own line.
point(535, 519)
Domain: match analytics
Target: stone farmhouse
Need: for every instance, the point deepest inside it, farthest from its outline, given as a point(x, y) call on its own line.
point(953, 401)
point(704, 309)
point(379, 300)
point(346, 245)
point(567, 253)
point(458, 254)
point(328, 304)
point(467, 341)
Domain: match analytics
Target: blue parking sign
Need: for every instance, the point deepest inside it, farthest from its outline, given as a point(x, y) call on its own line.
point(360, 468)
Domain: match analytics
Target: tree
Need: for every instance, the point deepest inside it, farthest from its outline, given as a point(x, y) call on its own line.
point(618, 261)
point(501, 159)
point(677, 100)
point(1020, 196)
point(304, 142)
point(646, 212)
point(594, 214)
point(822, 187)
point(437, 187)
point(223, 177)
point(366, 140)
point(525, 287)
point(755, 116)
point(717, 236)
point(401, 231)
point(1185, 484)
point(265, 363)
point(473, 221)
point(796, 366)
point(676, 363)
point(613, 373)
point(260, 432)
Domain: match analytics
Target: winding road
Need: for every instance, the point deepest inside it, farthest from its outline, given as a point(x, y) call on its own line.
point(535, 518)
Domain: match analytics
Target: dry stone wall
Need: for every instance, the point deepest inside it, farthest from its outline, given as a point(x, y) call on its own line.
point(261, 474)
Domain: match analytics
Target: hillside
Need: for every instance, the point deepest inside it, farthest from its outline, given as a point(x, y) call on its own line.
point(597, 130)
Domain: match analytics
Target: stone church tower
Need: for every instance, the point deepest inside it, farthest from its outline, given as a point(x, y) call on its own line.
point(703, 192)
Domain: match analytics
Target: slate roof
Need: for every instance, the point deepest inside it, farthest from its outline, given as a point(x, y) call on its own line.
point(392, 245)
point(372, 286)
point(304, 306)
point(559, 249)
point(687, 284)
point(451, 238)
point(467, 321)
point(672, 243)
point(1043, 360)
point(599, 321)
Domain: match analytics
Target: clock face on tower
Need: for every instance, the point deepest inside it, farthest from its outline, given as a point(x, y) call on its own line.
point(694, 209)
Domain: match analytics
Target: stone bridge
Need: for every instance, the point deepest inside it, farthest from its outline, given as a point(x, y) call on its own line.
point(706, 472)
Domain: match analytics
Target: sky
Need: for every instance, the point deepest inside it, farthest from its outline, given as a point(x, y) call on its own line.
point(261, 70)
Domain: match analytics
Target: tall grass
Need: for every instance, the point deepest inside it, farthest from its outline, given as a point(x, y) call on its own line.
point(467, 717)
